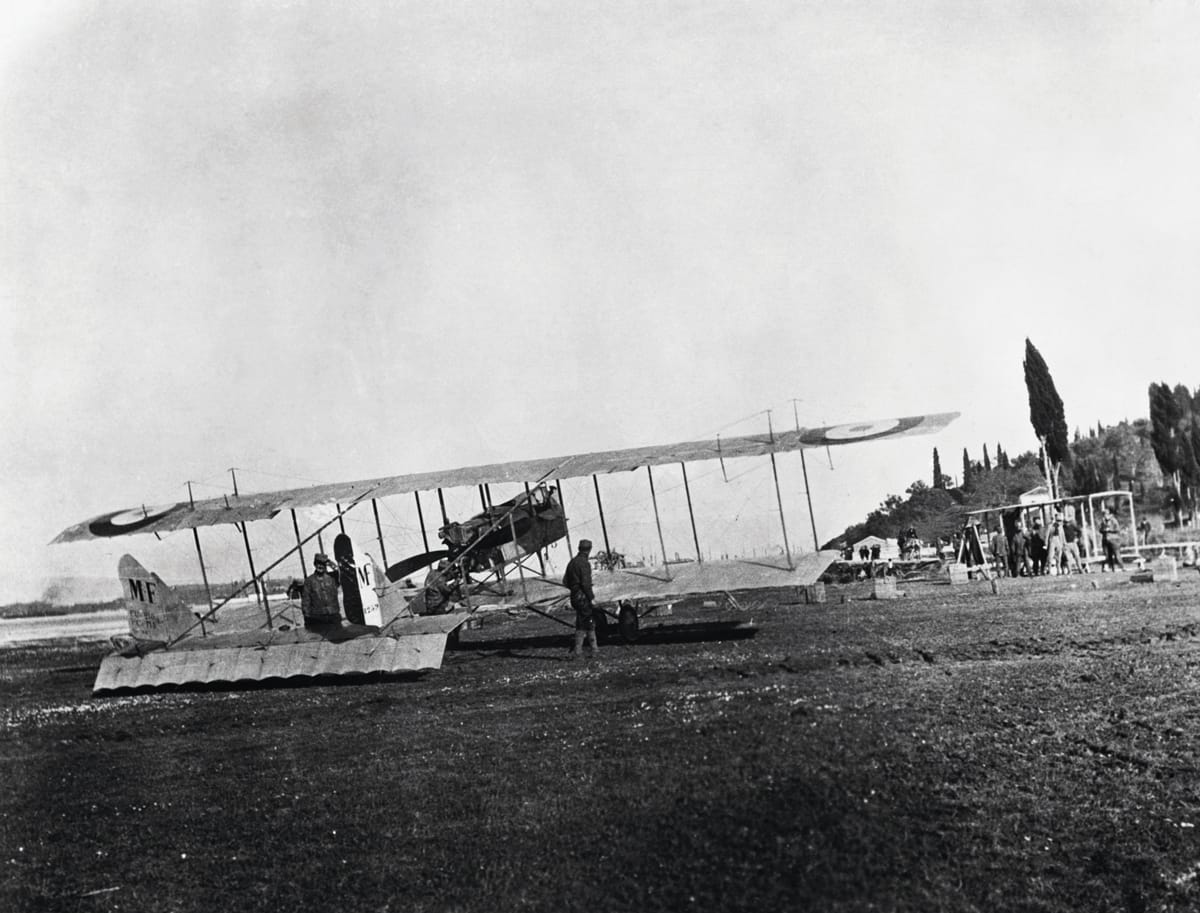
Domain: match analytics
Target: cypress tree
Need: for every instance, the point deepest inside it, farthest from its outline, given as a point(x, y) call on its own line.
point(1046, 415)
point(1189, 455)
point(937, 471)
point(968, 478)
point(987, 464)
point(1165, 418)
point(1175, 439)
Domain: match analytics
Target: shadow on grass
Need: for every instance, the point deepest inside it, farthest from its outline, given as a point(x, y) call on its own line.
point(683, 632)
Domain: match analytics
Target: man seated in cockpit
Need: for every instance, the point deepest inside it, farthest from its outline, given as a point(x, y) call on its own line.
point(440, 592)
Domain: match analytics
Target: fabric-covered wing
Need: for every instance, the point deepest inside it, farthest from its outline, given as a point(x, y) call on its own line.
point(264, 505)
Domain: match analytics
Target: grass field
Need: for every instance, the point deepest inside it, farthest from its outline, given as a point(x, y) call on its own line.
point(952, 750)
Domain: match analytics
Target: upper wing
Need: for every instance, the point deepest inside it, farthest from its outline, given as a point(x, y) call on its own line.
point(215, 511)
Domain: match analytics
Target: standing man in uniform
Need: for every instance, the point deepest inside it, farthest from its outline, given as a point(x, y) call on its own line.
point(1019, 554)
point(999, 546)
point(578, 579)
point(1110, 533)
point(1071, 546)
point(319, 598)
point(1054, 547)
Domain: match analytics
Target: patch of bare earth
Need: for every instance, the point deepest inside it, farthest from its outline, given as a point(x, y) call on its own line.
point(949, 750)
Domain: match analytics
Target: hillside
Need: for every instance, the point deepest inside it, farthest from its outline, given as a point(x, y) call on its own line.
point(1104, 459)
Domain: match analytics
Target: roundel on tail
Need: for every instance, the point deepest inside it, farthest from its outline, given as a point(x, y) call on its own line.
point(129, 521)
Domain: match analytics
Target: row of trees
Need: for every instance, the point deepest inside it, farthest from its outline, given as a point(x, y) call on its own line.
point(1156, 458)
point(1172, 432)
point(971, 469)
point(1175, 437)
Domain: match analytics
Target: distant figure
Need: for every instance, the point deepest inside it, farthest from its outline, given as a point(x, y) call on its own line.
point(1054, 547)
point(1144, 531)
point(578, 580)
point(1087, 543)
point(1019, 554)
point(913, 545)
point(1071, 538)
point(999, 549)
point(1036, 544)
point(1110, 532)
point(319, 598)
point(439, 592)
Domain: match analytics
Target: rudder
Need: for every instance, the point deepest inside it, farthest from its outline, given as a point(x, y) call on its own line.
point(156, 613)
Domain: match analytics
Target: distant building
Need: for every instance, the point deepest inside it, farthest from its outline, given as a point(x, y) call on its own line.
point(888, 548)
point(1039, 495)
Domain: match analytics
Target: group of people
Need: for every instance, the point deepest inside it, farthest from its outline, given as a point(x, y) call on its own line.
point(319, 603)
point(1057, 549)
point(322, 611)
point(865, 552)
point(909, 544)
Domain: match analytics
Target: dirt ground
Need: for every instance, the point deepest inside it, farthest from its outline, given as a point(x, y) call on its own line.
point(954, 749)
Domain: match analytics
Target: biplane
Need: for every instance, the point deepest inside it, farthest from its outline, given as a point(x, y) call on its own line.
point(492, 555)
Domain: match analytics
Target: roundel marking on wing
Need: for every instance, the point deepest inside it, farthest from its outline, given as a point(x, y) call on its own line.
point(856, 431)
point(129, 521)
point(862, 431)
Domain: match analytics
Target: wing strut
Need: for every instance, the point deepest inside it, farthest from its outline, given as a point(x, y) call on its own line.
point(808, 496)
point(512, 531)
point(299, 546)
point(258, 591)
point(691, 515)
point(379, 531)
point(807, 491)
point(603, 525)
point(787, 551)
point(485, 495)
point(529, 500)
point(421, 520)
point(658, 523)
point(563, 502)
point(199, 553)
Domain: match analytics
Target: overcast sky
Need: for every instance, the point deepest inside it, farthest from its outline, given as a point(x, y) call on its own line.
point(323, 241)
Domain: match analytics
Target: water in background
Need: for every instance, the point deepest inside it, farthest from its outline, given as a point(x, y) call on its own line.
point(78, 626)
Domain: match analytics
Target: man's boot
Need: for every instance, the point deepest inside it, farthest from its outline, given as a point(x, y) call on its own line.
point(592, 646)
point(577, 647)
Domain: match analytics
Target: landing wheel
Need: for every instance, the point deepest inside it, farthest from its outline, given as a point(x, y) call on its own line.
point(627, 622)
